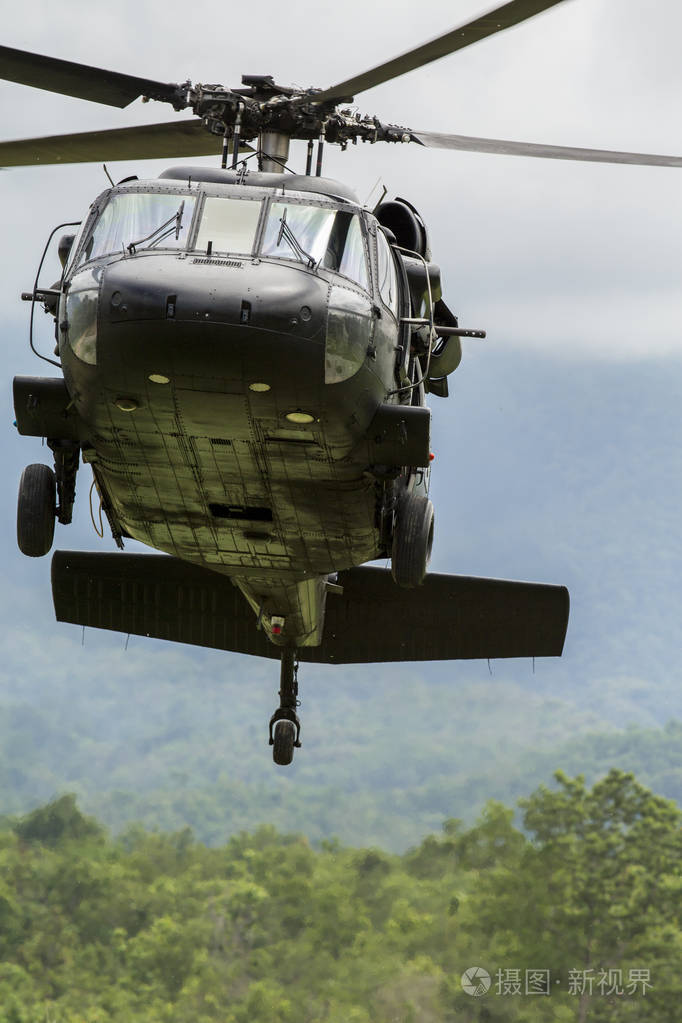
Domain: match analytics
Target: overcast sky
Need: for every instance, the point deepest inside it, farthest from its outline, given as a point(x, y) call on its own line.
point(527, 247)
point(568, 261)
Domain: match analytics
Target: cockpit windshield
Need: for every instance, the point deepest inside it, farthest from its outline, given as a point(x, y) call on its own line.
point(140, 220)
point(317, 236)
point(228, 225)
point(327, 237)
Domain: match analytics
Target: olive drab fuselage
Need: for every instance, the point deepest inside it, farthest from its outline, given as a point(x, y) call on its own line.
point(244, 385)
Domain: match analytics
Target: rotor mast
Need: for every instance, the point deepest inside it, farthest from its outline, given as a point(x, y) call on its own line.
point(273, 151)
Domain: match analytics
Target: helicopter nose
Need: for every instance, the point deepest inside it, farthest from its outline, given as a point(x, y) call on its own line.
point(212, 318)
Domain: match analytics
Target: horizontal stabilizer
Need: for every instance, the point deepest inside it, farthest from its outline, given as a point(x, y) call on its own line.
point(449, 617)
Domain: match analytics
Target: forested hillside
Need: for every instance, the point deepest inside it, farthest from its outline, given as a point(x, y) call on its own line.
point(160, 735)
point(577, 918)
point(543, 471)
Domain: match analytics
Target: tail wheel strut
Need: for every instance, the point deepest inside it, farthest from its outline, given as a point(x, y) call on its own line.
point(285, 727)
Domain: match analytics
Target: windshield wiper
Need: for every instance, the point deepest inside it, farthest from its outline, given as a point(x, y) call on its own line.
point(173, 224)
point(286, 232)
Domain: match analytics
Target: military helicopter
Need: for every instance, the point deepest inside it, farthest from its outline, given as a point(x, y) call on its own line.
point(245, 356)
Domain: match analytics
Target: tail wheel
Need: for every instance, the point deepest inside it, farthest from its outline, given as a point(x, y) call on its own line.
point(36, 510)
point(412, 540)
point(284, 736)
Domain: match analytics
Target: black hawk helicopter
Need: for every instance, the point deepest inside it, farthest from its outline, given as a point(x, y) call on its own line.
point(245, 355)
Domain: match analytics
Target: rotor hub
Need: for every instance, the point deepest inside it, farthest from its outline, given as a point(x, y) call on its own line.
point(269, 108)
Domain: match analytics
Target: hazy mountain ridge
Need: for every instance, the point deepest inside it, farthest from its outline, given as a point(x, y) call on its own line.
point(545, 469)
point(149, 735)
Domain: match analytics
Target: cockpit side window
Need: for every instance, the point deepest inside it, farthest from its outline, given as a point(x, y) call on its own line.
point(388, 278)
point(140, 220)
point(228, 225)
point(331, 238)
point(291, 226)
point(353, 260)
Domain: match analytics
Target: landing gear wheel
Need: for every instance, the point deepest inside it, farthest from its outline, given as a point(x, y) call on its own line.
point(285, 728)
point(412, 540)
point(284, 736)
point(36, 510)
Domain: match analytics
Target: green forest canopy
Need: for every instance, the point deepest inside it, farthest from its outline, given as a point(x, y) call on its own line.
point(154, 927)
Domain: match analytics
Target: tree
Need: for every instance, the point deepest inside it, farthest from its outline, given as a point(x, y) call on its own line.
point(59, 821)
point(596, 895)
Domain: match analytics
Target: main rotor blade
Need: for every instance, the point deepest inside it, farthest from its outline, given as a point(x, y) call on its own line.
point(471, 144)
point(142, 142)
point(486, 25)
point(81, 80)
